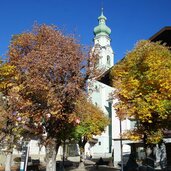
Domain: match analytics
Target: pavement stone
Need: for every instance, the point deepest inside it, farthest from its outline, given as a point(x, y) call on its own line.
point(89, 165)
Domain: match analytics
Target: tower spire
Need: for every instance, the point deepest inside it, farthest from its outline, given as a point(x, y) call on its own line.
point(102, 11)
point(102, 43)
point(101, 5)
point(102, 28)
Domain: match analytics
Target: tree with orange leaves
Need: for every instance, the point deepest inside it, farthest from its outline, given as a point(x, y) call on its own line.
point(52, 73)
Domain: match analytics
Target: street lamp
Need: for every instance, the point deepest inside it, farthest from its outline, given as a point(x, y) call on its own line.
point(24, 156)
point(121, 146)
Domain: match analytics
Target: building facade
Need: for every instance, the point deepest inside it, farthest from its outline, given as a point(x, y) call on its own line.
point(100, 94)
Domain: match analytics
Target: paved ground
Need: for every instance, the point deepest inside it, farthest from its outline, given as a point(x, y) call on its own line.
point(72, 164)
point(88, 165)
point(91, 168)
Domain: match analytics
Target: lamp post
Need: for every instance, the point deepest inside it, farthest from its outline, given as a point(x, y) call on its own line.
point(24, 156)
point(121, 146)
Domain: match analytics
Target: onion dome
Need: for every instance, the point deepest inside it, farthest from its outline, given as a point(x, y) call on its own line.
point(102, 28)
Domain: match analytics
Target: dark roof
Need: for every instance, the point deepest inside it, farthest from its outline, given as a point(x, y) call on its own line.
point(104, 78)
point(164, 35)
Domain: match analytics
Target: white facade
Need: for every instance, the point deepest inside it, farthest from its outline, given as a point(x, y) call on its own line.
point(101, 96)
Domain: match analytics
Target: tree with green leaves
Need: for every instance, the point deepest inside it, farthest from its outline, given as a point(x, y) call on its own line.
point(142, 80)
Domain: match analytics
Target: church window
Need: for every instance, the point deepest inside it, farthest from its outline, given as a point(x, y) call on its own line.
point(108, 59)
point(97, 88)
point(90, 90)
point(97, 63)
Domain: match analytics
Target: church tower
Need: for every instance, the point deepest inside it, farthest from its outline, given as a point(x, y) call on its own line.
point(100, 93)
point(101, 97)
point(102, 43)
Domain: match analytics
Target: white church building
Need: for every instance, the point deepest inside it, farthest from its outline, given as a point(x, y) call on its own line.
point(108, 144)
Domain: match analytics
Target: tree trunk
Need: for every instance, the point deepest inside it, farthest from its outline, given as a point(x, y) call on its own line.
point(51, 152)
point(82, 143)
point(8, 161)
point(81, 155)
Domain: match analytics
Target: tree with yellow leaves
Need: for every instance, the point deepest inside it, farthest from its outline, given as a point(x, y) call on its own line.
point(143, 87)
point(9, 132)
point(92, 121)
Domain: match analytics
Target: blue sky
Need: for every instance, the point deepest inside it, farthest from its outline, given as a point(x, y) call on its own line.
point(129, 20)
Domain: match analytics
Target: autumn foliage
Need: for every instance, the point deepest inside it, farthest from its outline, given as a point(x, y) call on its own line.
point(92, 119)
point(142, 80)
point(9, 134)
point(43, 90)
point(52, 72)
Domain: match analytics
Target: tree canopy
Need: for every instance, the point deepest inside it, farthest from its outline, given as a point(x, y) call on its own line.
point(51, 72)
point(46, 76)
point(51, 77)
point(92, 119)
point(142, 80)
point(8, 131)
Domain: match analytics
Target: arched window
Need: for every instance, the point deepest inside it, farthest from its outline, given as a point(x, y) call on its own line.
point(97, 63)
point(108, 59)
